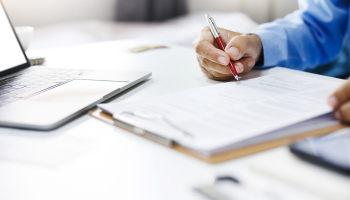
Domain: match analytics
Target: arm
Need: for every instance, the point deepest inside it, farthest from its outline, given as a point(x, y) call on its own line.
point(307, 38)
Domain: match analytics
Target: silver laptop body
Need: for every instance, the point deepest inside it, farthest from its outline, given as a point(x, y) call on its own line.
point(42, 98)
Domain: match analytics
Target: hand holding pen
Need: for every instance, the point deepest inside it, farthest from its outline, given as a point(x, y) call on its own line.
point(244, 50)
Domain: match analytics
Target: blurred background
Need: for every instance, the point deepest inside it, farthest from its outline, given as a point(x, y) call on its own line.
point(70, 22)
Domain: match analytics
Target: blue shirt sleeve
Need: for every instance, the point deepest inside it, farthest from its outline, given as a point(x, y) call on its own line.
point(307, 38)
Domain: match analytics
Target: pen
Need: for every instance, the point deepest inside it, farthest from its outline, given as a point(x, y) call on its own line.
point(215, 31)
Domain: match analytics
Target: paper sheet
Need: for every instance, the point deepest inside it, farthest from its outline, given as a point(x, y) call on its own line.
point(221, 115)
point(302, 127)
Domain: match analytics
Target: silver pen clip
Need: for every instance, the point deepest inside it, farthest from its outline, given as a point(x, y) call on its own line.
point(160, 117)
point(139, 128)
point(212, 25)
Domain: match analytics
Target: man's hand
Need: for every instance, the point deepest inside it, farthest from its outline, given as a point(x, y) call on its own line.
point(340, 102)
point(244, 49)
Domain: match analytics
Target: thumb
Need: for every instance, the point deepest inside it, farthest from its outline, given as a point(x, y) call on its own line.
point(244, 46)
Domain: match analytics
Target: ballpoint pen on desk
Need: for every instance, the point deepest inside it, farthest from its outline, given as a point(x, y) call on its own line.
point(216, 33)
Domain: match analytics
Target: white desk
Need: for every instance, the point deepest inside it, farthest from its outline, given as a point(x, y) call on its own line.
point(119, 165)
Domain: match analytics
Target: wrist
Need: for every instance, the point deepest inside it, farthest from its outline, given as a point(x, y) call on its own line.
point(260, 55)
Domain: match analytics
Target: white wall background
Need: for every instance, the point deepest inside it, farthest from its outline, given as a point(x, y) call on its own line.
point(259, 10)
point(43, 12)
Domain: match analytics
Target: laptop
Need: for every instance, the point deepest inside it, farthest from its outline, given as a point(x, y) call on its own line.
point(43, 98)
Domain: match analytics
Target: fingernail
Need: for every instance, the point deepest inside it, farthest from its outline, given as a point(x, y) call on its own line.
point(239, 69)
point(337, 115)
point(222, 60)
point(332, 101)
point(233, 51)
point(251, 64)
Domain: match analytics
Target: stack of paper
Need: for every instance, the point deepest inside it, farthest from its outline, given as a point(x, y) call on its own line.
point(216, 118)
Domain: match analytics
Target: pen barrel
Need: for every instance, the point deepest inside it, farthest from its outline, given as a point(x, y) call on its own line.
point(221, 43)
point(222, 46)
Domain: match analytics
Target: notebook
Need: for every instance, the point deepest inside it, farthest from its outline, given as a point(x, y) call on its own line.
point(227, 116)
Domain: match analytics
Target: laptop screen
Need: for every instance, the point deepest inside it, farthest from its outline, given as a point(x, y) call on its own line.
point(11, 54)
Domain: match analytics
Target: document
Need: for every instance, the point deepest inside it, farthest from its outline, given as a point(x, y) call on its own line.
point(220, 116)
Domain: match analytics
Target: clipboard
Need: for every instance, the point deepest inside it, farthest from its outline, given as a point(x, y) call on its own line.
point(224, 156)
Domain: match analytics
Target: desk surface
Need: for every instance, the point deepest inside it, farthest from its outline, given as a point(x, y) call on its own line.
point(117, 164)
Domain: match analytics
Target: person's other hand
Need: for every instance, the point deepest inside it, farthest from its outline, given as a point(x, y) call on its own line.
point(340, 102)
point(243, 49)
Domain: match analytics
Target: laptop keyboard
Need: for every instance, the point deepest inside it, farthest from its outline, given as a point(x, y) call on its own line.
point(32, 80)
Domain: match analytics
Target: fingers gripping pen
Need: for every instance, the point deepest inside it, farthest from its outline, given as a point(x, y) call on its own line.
point(215, 31)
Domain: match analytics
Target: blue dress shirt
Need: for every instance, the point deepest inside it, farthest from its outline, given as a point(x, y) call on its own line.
point(310, 39)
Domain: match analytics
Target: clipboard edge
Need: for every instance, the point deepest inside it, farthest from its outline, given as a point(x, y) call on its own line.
point(231, 154)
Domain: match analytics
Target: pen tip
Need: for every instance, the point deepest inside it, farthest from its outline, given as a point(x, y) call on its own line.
point(237, 78)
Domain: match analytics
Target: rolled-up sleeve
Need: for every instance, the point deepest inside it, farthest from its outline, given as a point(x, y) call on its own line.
point(307, 38)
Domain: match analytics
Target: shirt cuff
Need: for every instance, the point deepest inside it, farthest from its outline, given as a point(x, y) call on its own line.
point(270, 45)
